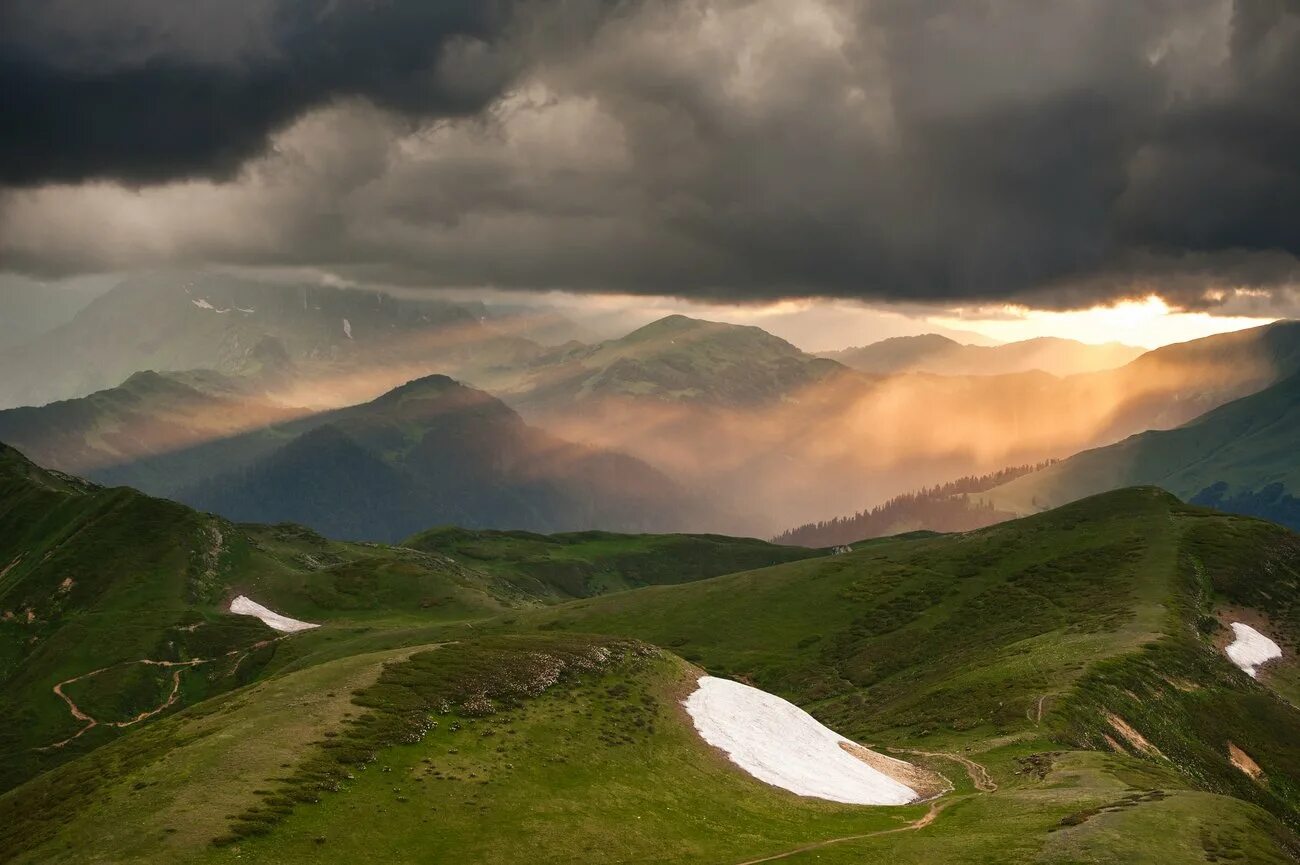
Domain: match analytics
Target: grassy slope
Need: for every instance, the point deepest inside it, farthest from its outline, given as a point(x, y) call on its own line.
point(99, 579)
point(601, 767)
point(1087, 611)
point(939, 644)
point(919, 635)
point(96, 579)
point(582, 564)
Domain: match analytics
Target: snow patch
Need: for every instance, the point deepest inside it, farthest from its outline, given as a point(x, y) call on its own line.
point(244, 606)
point(202, 303)
point(347, 328)
point(782, 745)
point(1250, 649)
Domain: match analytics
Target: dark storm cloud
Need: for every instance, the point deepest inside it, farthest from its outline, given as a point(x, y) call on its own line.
point(135, 91)
point(1057, 153)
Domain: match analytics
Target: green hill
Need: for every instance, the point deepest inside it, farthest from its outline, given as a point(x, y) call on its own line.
point(1065, 671)
point(583, 564)
point(1062, 632)
point(1239, 457)
point(93, 578)
point(98, 579)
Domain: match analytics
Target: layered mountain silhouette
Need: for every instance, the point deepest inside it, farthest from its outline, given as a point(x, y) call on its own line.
point(195, 320)
point(434, 451)
point(933, 353)
point(791, 437)
point(431, 451)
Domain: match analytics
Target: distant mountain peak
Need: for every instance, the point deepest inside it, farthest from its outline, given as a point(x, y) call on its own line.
point(935, 353)
point(425, 386)
point(668, 325)
point(674, 332)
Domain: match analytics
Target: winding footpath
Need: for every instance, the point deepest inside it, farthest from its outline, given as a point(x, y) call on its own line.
point(177, 667)
point(979, 776)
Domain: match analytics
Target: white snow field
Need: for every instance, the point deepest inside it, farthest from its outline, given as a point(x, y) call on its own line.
point(1250, 649)
point(782, 745)
point(244, 606)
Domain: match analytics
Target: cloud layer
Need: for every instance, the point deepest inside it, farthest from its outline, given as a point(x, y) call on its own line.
point(909, 150)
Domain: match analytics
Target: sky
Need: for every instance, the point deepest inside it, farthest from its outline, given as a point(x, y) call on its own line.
point(833, 169)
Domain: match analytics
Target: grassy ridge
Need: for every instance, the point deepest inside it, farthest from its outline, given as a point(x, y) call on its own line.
point(583, 564)
point(1072, 655)
point(590, 762)
point(95, 581)
point(955, 637)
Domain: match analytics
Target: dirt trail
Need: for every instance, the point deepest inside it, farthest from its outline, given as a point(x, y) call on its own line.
point(920, 823)
point(1037, 716)
point(176, 667)
point(979, 776)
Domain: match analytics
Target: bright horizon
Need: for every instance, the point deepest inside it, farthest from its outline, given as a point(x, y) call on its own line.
point(821, 325)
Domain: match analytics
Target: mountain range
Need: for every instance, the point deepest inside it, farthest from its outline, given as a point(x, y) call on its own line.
point(431, 451)
point(938, 354)
point(755, 434)
point(434, 451)
point(342, 345)
point(816, 439)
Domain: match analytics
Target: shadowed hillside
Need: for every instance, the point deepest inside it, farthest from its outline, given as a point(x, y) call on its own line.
point(434, 451)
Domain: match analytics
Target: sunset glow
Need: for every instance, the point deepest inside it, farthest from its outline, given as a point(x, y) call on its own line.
point(1149, 323)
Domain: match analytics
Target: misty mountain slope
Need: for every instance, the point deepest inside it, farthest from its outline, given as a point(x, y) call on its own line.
point(361, 342)
point(675, 359)
point(1226, 458)
point(775, 438)
point(434, 451)
point(938, 354)
point(142, 432)
point(32, 308)
point(845, 441)
point(955, 506)
point(1043, 415)
point(1171, 385)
